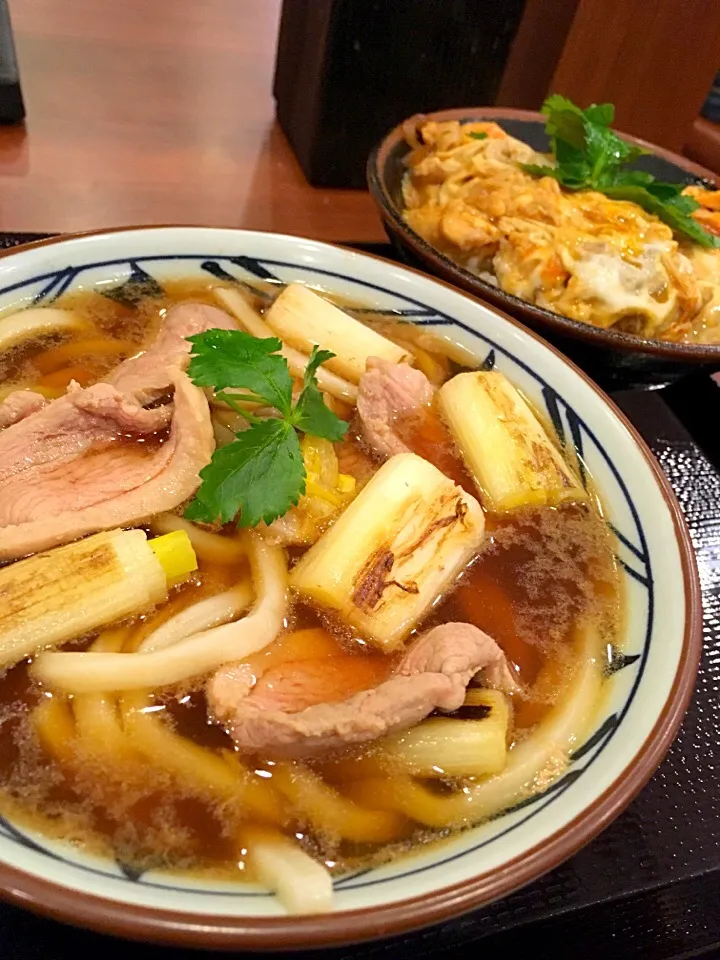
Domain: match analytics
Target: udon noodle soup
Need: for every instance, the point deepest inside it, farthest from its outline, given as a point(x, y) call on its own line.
point(263, 622)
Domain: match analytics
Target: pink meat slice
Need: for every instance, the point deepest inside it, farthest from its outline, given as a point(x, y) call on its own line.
point(69, 468)
point(65, 429)
point(273, 716)
point(387, 392)
point(115, 486)
point(18, 405)
point(145, 377)
point(88, 419)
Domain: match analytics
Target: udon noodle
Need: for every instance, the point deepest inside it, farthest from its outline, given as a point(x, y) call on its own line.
point(256, 719)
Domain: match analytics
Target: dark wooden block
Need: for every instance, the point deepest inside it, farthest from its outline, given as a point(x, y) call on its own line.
point(348, 70)
point(12, 108)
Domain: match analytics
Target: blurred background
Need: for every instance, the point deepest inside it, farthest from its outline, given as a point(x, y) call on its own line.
point(164, 111)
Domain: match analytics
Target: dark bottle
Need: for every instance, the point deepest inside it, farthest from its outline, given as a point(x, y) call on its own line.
point(347, 71)
point(12, 108)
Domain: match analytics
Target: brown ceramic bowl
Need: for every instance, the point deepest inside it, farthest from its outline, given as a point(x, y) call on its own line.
point(622, 741)
point(616, 360)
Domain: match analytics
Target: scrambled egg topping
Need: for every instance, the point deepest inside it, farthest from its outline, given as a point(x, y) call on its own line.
point(602, 261)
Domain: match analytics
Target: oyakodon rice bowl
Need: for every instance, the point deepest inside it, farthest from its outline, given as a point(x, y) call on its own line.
point(335, 604)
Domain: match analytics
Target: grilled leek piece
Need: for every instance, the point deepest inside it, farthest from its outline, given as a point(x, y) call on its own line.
point(473, 743)
point(394, 551)
point(251, 321)
point(63, 593)
point(302, 318)
point(510, 456)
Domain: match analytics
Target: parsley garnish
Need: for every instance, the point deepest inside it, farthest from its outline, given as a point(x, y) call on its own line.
point(261, 474)
point(589, 155)
point(478, 136)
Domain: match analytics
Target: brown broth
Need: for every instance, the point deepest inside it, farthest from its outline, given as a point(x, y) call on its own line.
point(539, 572)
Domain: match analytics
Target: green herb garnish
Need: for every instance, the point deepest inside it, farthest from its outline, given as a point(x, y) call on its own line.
point(590, 156)
point(261, 474)
point(478, 136)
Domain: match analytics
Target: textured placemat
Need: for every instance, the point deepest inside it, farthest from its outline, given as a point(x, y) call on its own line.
point(8, 240)
point(648, 886)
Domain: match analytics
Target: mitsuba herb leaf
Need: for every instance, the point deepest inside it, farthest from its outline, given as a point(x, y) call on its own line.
point(225, 359)
point(542, 170)
point(261, 474)
point(588, 155)
point(566, 121)
point(310, 413)
point(674, 210)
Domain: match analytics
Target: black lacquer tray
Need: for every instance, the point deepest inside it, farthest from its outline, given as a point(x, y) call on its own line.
point(649, 886)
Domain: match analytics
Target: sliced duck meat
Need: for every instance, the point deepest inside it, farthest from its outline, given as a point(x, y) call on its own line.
point(18, 405)
point(105, 400)
point(145, 377)
point(285, 713)
point(387, 392)
point(74, 466)
point(38, 434)
point(116, 482)
point(82, 420)
point(455, 650)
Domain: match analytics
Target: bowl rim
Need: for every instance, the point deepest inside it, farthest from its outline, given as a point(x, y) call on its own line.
point(697, 353)
point(178, 928)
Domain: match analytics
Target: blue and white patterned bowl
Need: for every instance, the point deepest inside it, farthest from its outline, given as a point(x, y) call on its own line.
point(648, 691)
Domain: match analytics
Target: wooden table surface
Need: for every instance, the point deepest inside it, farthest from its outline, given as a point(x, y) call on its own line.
point(158, 111)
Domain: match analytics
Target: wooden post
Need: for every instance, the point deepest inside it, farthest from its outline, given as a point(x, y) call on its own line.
point(535, 52)
point(654, 59)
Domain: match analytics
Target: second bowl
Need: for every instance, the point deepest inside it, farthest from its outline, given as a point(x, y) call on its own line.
point(616, 360)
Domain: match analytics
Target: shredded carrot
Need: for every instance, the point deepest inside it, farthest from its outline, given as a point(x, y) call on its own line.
point(709, 220)
point(553, 270)
point(710, 199)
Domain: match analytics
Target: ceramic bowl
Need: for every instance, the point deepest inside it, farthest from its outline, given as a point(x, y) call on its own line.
point(647, 691)
point(615, 360)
